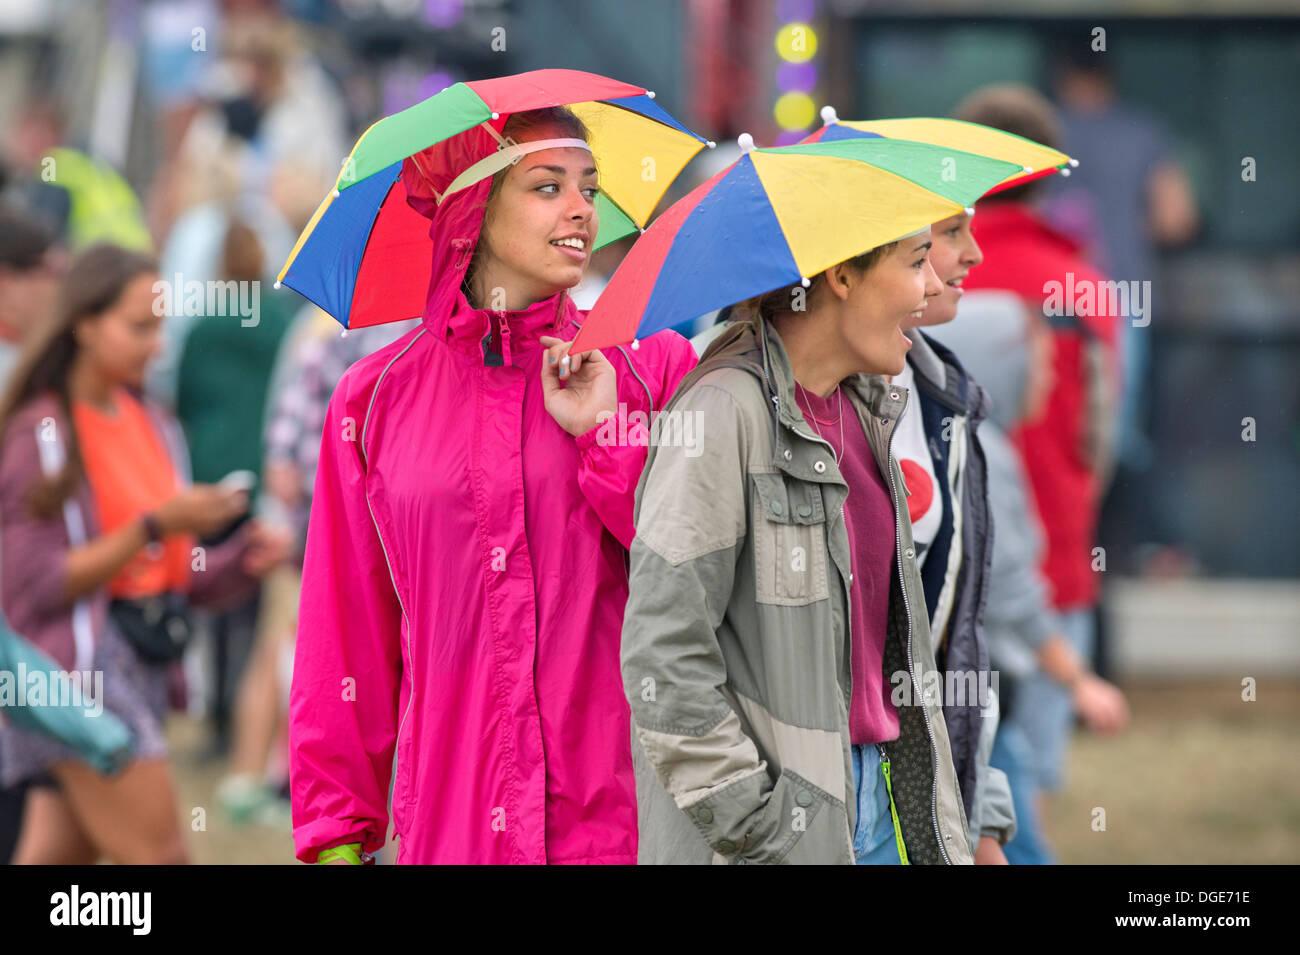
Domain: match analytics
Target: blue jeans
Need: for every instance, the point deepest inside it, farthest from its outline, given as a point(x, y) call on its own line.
point(1012, 754)
point(873, 836)
point(1042, 710)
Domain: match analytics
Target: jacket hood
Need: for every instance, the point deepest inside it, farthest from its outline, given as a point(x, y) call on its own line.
point(456, 222)
point(989, 335)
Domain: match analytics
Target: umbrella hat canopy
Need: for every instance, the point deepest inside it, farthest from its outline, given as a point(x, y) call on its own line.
point(372, 228)
point(777, 216)
point(1035, 159)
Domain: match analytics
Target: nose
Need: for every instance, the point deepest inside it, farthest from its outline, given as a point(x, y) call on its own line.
point(579, 207)
point(932, 284)
point(972, 255)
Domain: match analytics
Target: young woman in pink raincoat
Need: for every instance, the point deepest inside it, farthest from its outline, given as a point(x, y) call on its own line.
point(465, 569)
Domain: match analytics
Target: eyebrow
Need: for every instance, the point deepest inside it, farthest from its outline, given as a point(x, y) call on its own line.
point(923, 245)
point(561, 171)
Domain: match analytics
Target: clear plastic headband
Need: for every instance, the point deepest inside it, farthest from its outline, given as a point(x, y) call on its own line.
point(507, 155)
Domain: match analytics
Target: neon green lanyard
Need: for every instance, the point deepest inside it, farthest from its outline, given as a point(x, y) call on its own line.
point(893, 810)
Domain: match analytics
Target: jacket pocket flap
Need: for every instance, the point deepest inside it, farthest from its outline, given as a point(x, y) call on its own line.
point(787, 501)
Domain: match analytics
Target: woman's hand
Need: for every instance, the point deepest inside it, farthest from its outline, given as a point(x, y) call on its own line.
point(1101, 704)
point(268, 546)
point(577, 388)
point(201, 510)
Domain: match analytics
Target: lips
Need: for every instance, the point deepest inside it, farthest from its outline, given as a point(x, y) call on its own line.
point(574, 246)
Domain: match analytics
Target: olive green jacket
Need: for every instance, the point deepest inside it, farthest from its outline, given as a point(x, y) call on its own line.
point(735, 651)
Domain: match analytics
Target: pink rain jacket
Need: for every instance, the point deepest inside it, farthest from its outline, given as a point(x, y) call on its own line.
point(464, 584)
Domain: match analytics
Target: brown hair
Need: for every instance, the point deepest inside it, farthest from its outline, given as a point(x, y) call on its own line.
point(517, 127)
point(93, 283)
point(1018, 110)
point(770, 304)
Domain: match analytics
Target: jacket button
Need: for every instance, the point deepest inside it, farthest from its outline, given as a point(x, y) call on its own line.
point(884, 421)
point(777, 508)
point(726, 847)
point(804, 798)
point(819, 467)
point(909, 553)
point(704, 814)
point(786, 454)
point(850, 578)
point(805, 510)
point(894, 395)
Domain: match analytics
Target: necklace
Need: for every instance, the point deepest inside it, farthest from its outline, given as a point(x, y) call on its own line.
point(840, 406)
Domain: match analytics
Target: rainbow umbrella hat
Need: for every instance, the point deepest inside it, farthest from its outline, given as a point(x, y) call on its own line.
point(776, 217)
point(1035, 159)
point(365, 255)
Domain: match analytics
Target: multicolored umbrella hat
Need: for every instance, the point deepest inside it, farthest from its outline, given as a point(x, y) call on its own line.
point(776, 217)
point(1035, 159)
point(365, 257)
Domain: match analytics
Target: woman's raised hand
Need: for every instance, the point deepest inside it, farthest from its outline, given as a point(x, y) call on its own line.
point(577, 388)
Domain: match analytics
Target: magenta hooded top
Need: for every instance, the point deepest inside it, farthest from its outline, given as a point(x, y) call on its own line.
point(464, 584)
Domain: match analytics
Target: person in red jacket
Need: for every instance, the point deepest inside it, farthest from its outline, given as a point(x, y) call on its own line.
point(1067, 450)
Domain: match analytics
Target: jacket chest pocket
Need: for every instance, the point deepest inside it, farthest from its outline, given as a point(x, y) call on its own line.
point(789, 527)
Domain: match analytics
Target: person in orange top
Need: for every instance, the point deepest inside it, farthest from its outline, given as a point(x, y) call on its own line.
point(95, 503)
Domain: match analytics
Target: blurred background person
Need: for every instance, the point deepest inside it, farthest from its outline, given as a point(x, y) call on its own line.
point(1129, 195)
point(83, 198)
point(30, 263)
point(1064, 451)
point(1004, 344)
point(224, 377)
point(98, 523)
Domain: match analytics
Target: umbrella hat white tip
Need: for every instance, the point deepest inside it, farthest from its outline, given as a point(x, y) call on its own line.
point(650, 93)
point(745, 141)
point(829, 115)
point(711, 144)
point(1065, 171)
point(277, 284)
point(1074, 162)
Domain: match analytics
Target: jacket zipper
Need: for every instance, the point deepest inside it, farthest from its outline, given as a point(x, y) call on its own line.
point(911, 670)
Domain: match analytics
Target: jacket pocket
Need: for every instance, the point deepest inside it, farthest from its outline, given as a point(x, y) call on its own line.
point(802, 823)
point(789, 528)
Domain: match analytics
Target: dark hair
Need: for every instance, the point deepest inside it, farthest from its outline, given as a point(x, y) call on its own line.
point(93, 283)
point(770, 304)
point(518, 127)
point(1018, 110)
point(23, 240)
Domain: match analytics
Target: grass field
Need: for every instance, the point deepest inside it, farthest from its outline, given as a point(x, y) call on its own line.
point(1199, 777)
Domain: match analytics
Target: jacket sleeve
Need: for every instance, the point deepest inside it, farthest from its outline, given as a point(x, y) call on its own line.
point(223, 583)
point(609, 471)
point(347, 662)
point(691, 525)
point(1018, 602)
point(993, 814)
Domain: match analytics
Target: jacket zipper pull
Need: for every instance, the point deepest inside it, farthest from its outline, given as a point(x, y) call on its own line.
point(505, 339)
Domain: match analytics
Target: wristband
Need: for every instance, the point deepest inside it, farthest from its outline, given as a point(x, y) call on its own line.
point(350, 853)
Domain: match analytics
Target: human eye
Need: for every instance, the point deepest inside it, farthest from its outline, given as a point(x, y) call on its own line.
point(544, 187)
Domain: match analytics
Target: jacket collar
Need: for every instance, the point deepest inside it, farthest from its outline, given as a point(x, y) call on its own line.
point(466, 327)
point(756, 347)
point(939, 375)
